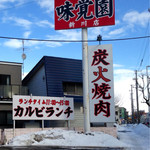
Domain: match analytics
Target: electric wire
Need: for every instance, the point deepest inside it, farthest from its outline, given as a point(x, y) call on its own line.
point(145, 48)
point(143, 57)
point(63, 41)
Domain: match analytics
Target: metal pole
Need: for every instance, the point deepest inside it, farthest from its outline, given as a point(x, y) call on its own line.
point(132, 106)
point(42, 124)
point(137, 98)
point(68, 124)
point(85, 80)
point(14, 124)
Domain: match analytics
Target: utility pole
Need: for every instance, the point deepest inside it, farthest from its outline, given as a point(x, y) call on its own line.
point(132, 106)
point(148, 82)
point(85, 80)
point(137, 98)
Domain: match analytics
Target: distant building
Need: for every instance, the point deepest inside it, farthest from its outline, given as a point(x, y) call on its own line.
point(117, 116)
point(10, 84)
point(121, 115)
point(141, 112)
point(145, 119)
point(58, 77)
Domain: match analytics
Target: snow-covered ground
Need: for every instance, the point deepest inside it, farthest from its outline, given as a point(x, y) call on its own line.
point(136, 136)
point(130, 136)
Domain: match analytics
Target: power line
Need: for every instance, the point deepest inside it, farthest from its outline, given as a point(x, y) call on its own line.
point(146, 47)
point(143, 57)
point(133, 38)
point(46, 40)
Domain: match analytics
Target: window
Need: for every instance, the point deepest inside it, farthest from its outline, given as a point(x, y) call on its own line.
point(116, 112)
point(6, 118)
point(72, 88)
point(4, 79)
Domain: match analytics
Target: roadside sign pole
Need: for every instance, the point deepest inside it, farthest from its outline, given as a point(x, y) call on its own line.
point(42, 124)
point(14, 126)
point(85, 80)
point(68, 124)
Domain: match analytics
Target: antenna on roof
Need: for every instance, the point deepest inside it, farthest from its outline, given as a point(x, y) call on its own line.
point(23, 56)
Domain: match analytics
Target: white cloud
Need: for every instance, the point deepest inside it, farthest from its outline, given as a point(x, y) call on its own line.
point(70, 34)
point(27, 23)
point(33, 43)
point(3, 3)
point(13, 43)
point(45, 23)
point(18, 21)
point(117, 31)
point(63, 35)
point(117, 22)
point(17, 44)
point(94, 32)
point(121, 88)
point(47, 4)
point(24, 75)
point(2, 6)
point(135, 17)
point(117, 65)
point(106, 31)
point(130, 19)
point(123, 71)
point(123, 78)
point(53, 44)
point(26, 34)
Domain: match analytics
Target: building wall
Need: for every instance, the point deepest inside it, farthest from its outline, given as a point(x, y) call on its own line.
point(37, 84)
point(15, 71)
point(56, 71)
point(59, 70)
point(77, 122)
point(6, 115)
point(5, 106)
point(78, 116)
point(12, 69)
point(122, 113)
point(117, 114)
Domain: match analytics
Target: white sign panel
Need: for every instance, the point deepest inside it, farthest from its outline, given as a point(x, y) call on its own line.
point(42, 108)
point(101, 88)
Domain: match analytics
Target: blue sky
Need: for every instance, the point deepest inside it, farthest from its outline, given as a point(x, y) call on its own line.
point(35, 19)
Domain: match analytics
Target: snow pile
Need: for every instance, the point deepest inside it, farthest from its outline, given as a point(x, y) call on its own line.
point(124, 127)
point(142, 130)
point(58, 137)
point(135, 136)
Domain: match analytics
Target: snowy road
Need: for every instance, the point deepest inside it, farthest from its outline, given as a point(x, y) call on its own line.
point(136, 137)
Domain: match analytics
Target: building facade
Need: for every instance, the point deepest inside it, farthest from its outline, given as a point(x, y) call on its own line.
point(10, 84)
point(58, 77)
point(121, 115)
